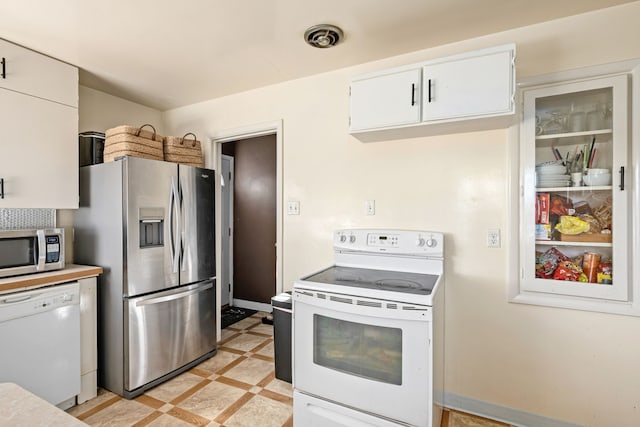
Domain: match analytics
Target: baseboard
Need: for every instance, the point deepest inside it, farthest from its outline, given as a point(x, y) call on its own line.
point(252, 305)
point(501, 413)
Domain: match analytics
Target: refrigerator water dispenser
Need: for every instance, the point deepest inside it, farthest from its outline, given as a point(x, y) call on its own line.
point(151, 225)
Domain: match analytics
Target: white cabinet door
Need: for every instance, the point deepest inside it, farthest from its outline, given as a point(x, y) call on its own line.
point(29, 72)
point(385, 101)
point(469, 87)
point(39, 161)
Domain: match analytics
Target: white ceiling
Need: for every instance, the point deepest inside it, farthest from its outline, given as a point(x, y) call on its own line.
point(170, 53)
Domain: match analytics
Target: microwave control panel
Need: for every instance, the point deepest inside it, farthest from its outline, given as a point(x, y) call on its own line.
point(53, 249)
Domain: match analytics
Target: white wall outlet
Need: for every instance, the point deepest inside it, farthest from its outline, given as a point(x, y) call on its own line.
point(370, 207)
point(293, 208)
point(493, 238)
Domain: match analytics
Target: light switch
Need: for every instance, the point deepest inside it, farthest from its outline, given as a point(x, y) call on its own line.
point(370, 207)
point(293, 208)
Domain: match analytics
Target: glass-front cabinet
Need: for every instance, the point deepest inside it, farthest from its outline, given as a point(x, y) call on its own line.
point(575, 200)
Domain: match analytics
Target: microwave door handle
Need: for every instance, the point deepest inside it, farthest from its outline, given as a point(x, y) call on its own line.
point(42, 250)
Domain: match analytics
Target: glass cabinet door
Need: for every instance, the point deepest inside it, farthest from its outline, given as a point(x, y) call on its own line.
point(574, 204)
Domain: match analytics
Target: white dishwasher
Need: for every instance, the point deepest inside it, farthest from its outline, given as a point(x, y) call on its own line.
point(40, 342)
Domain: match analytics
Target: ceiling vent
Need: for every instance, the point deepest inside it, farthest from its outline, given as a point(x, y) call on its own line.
point(323, 35)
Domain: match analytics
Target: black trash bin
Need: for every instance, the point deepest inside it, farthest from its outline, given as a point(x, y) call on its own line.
point(282, 322)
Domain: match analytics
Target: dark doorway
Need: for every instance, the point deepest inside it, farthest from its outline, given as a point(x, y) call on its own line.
point(254, 218)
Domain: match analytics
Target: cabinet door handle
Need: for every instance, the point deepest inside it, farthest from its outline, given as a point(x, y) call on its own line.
point(429, 96)
point(621, 178)
point(413, 94)
point(4, 68)
point(1, 188)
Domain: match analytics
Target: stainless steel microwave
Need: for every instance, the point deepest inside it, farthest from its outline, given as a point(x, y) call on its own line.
point(31, 251)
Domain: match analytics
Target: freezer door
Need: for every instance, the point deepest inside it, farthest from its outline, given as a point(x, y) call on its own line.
point(167, 330)
point(197, 206)
point(151, 225)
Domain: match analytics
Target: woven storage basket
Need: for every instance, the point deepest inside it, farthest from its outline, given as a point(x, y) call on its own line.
point(132, 141)
point(183, 150)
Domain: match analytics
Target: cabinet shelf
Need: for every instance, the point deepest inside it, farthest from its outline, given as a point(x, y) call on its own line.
point(563, 243)
point(574, 134)
point(569, 138)
point(574, 189)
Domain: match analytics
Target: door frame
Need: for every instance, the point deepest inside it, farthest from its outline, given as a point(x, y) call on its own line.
point(215, 158)
point(228, 182)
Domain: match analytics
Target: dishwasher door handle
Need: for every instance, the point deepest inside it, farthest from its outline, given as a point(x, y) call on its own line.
point(11, 300)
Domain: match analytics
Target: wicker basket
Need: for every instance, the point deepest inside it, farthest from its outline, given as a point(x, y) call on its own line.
point(132, 141)
point(184, 151)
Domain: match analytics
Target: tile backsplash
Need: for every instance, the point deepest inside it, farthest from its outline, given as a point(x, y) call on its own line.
point(15, 219)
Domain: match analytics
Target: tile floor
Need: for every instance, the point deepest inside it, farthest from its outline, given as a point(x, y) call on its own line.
point(235, 388)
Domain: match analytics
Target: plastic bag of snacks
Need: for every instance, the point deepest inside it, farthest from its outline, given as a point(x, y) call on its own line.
point(567, 270)
point(547, 262)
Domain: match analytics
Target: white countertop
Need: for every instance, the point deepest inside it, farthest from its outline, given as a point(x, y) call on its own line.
point(37, 280)
point(21, 408)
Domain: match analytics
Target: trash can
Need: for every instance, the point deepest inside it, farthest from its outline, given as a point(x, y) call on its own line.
point(282, 322)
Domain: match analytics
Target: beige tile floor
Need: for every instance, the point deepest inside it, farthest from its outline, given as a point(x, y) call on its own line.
point(235, 388)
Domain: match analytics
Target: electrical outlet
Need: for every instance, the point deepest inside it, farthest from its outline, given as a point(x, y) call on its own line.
point(293, 208)
point(370, 207)
point(493, 238)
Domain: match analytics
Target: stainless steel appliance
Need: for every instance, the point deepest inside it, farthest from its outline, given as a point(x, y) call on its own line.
point(150, 225)
point(90, 148)
point(40, 332)
point(31, 251)
point(368, 333)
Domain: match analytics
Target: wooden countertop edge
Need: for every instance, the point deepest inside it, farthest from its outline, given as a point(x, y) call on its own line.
point(52, 278)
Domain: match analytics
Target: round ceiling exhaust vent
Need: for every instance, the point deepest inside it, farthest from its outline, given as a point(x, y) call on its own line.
point(323, 35)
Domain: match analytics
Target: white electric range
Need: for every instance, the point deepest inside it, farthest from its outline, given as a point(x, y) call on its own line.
point(368, 332)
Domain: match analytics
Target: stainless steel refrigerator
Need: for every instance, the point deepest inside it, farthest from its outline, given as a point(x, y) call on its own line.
point(150, 225)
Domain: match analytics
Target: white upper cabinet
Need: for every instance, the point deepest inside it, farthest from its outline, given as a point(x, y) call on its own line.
point(38, 130)
point(466, 92)
point(479, 85)
point(388, 100)
point(31, 73)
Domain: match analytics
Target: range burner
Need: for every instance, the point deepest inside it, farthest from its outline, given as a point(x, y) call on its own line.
point(365, 278)
point(398, 284)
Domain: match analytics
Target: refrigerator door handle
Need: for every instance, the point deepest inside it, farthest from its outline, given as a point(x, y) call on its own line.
point(181, 225)
point(173, 221)
point(171, 297)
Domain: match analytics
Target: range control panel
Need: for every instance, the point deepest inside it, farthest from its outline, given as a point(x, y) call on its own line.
point(419, 243)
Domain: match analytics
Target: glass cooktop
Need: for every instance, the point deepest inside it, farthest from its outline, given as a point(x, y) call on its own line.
point(395, 281)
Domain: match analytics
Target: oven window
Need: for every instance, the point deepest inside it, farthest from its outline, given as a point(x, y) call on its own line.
point(18, 252)
point(368, 351)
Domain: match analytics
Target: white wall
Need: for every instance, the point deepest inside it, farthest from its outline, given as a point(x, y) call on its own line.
point(568, 365)
point(99, 111)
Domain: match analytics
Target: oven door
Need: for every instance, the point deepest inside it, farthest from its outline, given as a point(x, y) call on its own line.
point(367, 354)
